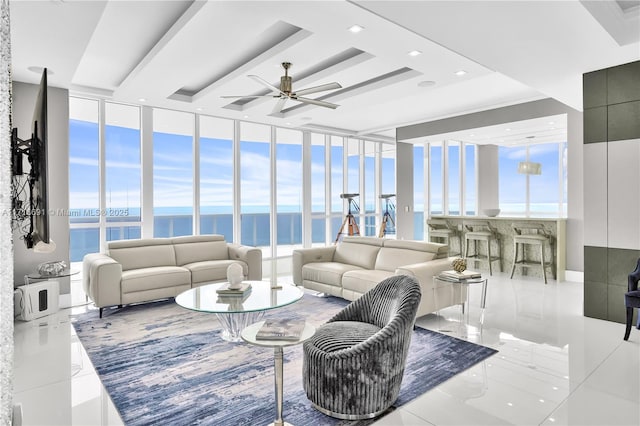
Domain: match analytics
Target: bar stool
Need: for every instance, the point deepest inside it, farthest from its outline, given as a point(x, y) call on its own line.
point(443, 231)
point(482, 231)
point(532, 234)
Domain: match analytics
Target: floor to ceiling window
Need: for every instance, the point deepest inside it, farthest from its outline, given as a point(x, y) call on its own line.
point(255, 186)
point(288, 190)
point(216, 176)
point(84, 178)
point(536, 190)
point(337, 184)
point(453, 179)
point(172, 173)
point(318, 189)
point(196, 183)
point(436, 193)
point(388, 187)
point(420, 197)
point(369, 188)
point(470, 189)
point(122, 171)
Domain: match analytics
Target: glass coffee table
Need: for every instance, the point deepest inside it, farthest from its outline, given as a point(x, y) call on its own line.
point(237, 312)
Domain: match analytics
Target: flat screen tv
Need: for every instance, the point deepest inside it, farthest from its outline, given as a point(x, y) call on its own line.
point(38, 173)
point(30, 199)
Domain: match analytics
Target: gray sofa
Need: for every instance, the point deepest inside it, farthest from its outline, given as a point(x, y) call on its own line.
point(143, 270)
point(357, 264)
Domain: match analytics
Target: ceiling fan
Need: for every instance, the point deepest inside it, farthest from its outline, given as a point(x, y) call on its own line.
point(285, 91)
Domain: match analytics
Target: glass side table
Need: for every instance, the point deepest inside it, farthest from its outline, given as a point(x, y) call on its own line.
point(36, 276)
point(249, 335)
point(464, 284)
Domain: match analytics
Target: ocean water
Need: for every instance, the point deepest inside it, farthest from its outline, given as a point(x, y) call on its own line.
point(255, 226)
point(255, 230)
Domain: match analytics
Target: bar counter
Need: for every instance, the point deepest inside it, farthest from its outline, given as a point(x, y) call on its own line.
point(555, 226)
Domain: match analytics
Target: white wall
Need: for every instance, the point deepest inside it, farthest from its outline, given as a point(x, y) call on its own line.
point(24, 98)
point(404, 191)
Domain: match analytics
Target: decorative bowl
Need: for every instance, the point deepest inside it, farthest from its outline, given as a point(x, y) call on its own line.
point(491, 212)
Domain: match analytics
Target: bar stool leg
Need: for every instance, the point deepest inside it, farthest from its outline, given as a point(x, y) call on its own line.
point(489, 256)
point(515, 258)
point(553, 261)
point(544, 268)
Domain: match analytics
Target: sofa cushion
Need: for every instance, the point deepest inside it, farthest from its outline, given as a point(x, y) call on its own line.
point(198, 248)
point(358, 254)
point(139, 254)
point(439, 250)
point(363, 280)
point(213, 270)
point(157, 277)
point(389, 259)
point(326, 272)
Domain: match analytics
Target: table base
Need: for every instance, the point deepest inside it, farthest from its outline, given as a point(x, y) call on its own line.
point(234, 322)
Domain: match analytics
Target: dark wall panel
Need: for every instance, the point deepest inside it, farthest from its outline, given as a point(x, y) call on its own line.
point(611, 113)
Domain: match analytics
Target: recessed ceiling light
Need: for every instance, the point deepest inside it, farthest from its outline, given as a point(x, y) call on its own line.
point(551, 122)
point(414, 53)
point(198, 109)
point(142, 100)
point(426, 83)
point(245, 116)
point(288, 124)
point(507, 129)
point(356, 28)
point(471, 135)
point(461, 72)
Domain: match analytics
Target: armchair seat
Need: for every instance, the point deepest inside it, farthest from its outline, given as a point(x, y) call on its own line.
point(340, 335)
point(354, 364)
point(632, 299)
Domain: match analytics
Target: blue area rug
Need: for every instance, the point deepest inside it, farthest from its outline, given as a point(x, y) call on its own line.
point(163, 364)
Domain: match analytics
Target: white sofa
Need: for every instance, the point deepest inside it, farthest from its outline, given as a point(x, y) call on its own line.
point(143, 270)
point(357, 264)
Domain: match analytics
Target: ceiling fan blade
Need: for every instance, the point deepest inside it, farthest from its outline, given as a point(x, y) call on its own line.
point(277, 108)
point(317, 102)
point(266, 84)
point(322, 87)
point(248, 96)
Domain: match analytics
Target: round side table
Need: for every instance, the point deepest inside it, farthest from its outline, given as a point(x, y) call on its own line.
point(249, 335)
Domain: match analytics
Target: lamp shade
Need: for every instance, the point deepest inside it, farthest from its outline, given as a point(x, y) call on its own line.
point(529, 168)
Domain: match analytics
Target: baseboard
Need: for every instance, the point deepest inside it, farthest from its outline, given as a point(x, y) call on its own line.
point(574, 276)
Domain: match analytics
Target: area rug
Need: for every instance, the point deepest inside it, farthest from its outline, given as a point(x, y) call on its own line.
point(166, 365)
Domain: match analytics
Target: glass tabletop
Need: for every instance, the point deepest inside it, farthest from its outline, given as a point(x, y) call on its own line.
point(64, 273)
point(261, 298)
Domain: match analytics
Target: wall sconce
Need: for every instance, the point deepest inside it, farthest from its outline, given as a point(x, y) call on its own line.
point(529, 168)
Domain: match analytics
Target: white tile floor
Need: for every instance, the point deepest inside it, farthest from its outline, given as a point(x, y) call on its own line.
point(554, 366)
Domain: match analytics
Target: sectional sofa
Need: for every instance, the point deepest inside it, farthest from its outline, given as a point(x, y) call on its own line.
point(357, 264)
point(143, 270)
